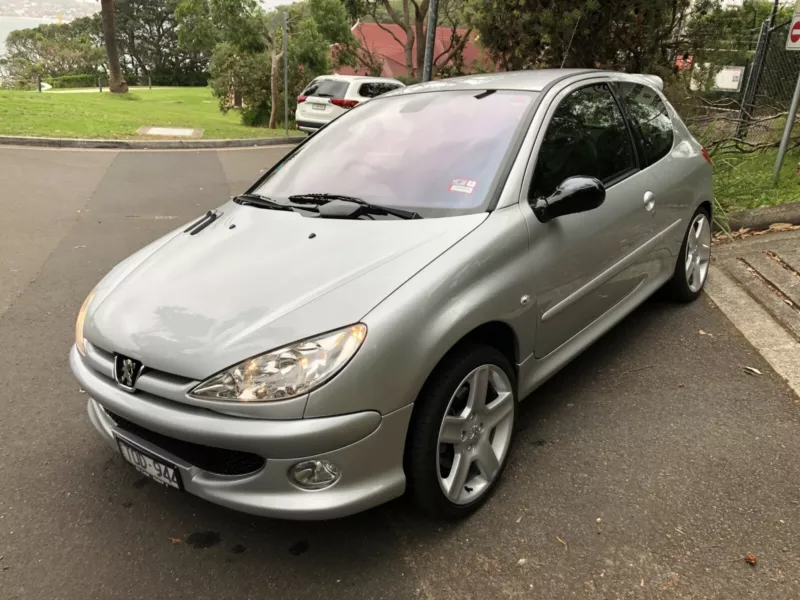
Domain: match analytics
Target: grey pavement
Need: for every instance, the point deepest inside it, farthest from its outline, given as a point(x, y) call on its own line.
point(756, 283)
point(646, 469)
point(768, 267)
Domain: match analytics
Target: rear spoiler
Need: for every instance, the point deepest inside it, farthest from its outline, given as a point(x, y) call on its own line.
point(654, 80)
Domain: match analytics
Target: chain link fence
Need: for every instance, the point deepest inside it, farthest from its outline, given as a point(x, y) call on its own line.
point(749, 118)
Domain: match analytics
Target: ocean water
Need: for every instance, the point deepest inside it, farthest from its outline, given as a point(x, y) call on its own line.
point(9, 24)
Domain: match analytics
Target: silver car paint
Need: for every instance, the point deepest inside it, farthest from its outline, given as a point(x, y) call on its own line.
point(419, 286)
point(205, 310)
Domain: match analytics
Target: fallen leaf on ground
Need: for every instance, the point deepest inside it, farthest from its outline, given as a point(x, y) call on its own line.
point(701, 332)
point(752, 371)
point(750, 559)
point(563, 542)
point(519, 519)
point(176, 540)
point(781, 227)
point(521, 561)
point(680, 385)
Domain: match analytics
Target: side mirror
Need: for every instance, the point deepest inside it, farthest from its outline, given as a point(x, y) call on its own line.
point(574, 195)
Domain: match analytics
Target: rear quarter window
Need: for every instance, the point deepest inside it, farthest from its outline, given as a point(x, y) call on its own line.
point(651, 119)
point(375, 88)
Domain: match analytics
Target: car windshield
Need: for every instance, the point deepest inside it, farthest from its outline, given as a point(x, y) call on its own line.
point(435, 153)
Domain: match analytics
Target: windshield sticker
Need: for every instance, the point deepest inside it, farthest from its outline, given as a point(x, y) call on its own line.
point(465, 186)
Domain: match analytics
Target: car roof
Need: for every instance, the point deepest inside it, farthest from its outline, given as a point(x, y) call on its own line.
point(532, 81)
point(356, 78)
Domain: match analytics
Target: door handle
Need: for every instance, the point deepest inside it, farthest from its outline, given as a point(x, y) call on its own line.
point(649, 201)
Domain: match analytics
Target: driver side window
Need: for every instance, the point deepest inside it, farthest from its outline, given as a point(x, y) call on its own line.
point(587, 136)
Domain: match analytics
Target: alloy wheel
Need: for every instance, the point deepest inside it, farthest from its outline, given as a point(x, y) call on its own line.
point(698, 252)
point(475, 434)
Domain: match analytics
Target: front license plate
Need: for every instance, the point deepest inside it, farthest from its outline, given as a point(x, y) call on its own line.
point(149, 465)
point(318, 106)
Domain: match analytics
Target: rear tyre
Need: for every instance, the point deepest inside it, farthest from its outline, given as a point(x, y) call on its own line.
point(691, 270)
point(461, 432)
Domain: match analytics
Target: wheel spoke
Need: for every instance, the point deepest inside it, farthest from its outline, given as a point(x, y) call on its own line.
point(454, 484)
point(499, 410)
point(689, 268)
point(451, 430)
point(487, 460)
point(704, 252)
point(704, 230)
point(478, 388)
point(691, 242)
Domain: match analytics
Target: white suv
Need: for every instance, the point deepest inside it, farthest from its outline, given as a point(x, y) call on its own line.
point(328, 96)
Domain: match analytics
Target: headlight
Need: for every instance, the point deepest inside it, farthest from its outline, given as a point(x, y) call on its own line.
point(287, 372)
point(80, 342)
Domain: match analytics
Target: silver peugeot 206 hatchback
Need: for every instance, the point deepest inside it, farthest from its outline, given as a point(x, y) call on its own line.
point(364, 320)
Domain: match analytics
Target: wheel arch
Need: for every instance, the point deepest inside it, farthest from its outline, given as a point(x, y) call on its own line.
point(496, 334)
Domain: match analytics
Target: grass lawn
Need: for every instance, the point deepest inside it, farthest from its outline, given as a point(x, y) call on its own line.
point(106, 115)
point(745, 181)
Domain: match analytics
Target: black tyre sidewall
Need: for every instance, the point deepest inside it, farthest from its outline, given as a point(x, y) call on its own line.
point(423, 439)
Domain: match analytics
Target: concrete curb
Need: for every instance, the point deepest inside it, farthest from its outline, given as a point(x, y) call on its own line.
point(40, 142)
point(762, 218)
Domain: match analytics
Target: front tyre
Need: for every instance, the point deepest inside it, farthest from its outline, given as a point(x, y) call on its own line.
point(461, 432)
point(691, 270)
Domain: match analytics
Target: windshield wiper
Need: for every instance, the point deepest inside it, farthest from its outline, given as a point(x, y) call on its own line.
point(259, 201)
point(364, 206)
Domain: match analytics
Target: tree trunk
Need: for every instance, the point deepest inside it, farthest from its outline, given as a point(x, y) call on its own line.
point(273, 77)
point(116, 83)
point(408, 48)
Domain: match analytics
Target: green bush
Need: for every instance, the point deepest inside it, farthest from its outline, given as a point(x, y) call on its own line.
point(76, 81)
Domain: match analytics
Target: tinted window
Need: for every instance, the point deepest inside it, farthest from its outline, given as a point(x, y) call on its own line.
point(651, 118)
point(326, 88)
point(375, 88)
point(436, 153)
point(586, 136)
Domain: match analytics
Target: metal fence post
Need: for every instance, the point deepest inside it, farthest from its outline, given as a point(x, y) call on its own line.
point(39, 82)
point(100, 84)
point(430, 40)
point(753, 80)
point(787, 132)
point(149, 82)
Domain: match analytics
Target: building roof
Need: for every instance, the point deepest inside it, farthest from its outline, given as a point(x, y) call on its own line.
point(379, 40)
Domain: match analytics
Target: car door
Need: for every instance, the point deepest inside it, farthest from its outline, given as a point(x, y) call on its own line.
point(584, 264)
point(664, 158)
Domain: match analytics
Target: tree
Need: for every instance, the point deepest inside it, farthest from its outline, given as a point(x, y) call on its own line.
point(331, 20)
point(411, 17)
point(55, 50)
point(248, 48)
point(148, 41)
point(631, 35)
point(116, 83)
point(729, 33)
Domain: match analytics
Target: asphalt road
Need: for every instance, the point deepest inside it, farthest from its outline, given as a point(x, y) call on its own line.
point(646, 469)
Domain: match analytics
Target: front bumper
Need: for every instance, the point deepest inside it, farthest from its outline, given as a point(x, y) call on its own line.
point(367, 447)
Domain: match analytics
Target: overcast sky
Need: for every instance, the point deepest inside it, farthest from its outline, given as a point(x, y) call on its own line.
point(270, 4)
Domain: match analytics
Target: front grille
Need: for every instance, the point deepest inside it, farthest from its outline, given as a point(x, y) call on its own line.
point(208, 458)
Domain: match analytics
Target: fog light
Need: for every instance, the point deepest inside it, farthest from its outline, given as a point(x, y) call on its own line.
point(314, 474)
